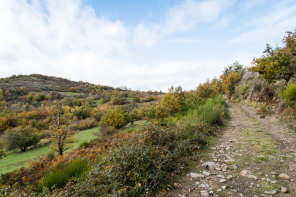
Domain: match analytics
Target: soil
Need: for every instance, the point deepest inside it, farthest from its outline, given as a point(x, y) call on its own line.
point(255, 156)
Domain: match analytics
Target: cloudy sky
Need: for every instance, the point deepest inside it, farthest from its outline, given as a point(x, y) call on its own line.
point(141, 44)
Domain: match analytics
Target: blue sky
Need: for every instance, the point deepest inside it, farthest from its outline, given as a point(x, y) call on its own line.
point(142, 44)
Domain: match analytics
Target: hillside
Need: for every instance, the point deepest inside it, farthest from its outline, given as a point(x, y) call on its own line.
point(233, 136)
point(19, 85)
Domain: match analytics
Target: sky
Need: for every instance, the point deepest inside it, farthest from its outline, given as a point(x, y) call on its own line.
point(141, 44)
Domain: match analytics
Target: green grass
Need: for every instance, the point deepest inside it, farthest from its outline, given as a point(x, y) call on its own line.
point(71, 93)
point(136, 127)
point(14, 161)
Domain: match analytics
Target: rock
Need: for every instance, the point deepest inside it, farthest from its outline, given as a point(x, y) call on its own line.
point(229, 177)
point(224, 187)
point(252, 177)
point(272, 192)
point(284, 190)
point(206, 173)
point(245, 172)
point(222, 180)
point(284, 176)
point(204, 193)
point(220, 176)
point(203, 185)
point(196, 175)
point(218, 169)
point(210, 165)
point(224, 168)
point(235, 166)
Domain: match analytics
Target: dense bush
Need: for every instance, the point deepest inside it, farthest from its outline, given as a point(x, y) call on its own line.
point(290, 95)
point(81, 112)
point(85, 124)
point(146, 164)
point(116, 118)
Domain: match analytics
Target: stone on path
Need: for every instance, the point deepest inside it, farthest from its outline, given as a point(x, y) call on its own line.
point(284, 176)
point(210, 165)
point(284, 190)
point(206, 173)
point(271, 192)
point(245, 172)
point(196, 175)
point(204, 193)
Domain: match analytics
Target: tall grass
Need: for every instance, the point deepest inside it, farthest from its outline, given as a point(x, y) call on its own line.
point(211, 112)
point(60, 176)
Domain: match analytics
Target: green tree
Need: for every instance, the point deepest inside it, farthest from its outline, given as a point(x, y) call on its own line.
point(21, 138)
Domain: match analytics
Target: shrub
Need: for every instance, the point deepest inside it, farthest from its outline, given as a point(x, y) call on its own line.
point(144, 165)
point(117, 118)
point(171, 103)
point(81, 112)
point(85, 124)
point(245, 88)
point(290, 95)
point(2, 153)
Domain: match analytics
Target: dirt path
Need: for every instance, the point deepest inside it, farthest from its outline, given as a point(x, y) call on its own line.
point(254, 157)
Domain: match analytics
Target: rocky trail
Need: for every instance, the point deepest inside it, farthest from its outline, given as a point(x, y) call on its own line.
point(255, 157)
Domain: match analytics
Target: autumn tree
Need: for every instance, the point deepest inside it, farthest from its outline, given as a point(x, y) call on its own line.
point(231, 76)
point(278, 63)
point(20, 138)
point(61, 131)
point(209, 89)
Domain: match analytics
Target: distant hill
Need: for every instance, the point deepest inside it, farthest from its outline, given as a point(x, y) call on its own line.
point(37, 83)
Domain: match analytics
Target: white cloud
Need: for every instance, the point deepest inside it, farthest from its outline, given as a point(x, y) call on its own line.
point(189, 13)
point(180, 18)
point(146, 36)
point(272, 25)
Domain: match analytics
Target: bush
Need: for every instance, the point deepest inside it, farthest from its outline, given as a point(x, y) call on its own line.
point(85, 124)
point(2, 153)
point(116, 118)
point(290, 95)
point(81, 112)
point(145, 165)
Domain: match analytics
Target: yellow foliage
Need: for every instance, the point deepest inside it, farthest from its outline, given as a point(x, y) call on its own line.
point(229, 81)
point(170, 102)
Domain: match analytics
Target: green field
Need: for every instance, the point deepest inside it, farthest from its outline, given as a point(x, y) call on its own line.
point(14, 161)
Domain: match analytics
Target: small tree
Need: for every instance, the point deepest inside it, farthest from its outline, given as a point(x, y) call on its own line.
point(21, 138)
point(61, 132)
